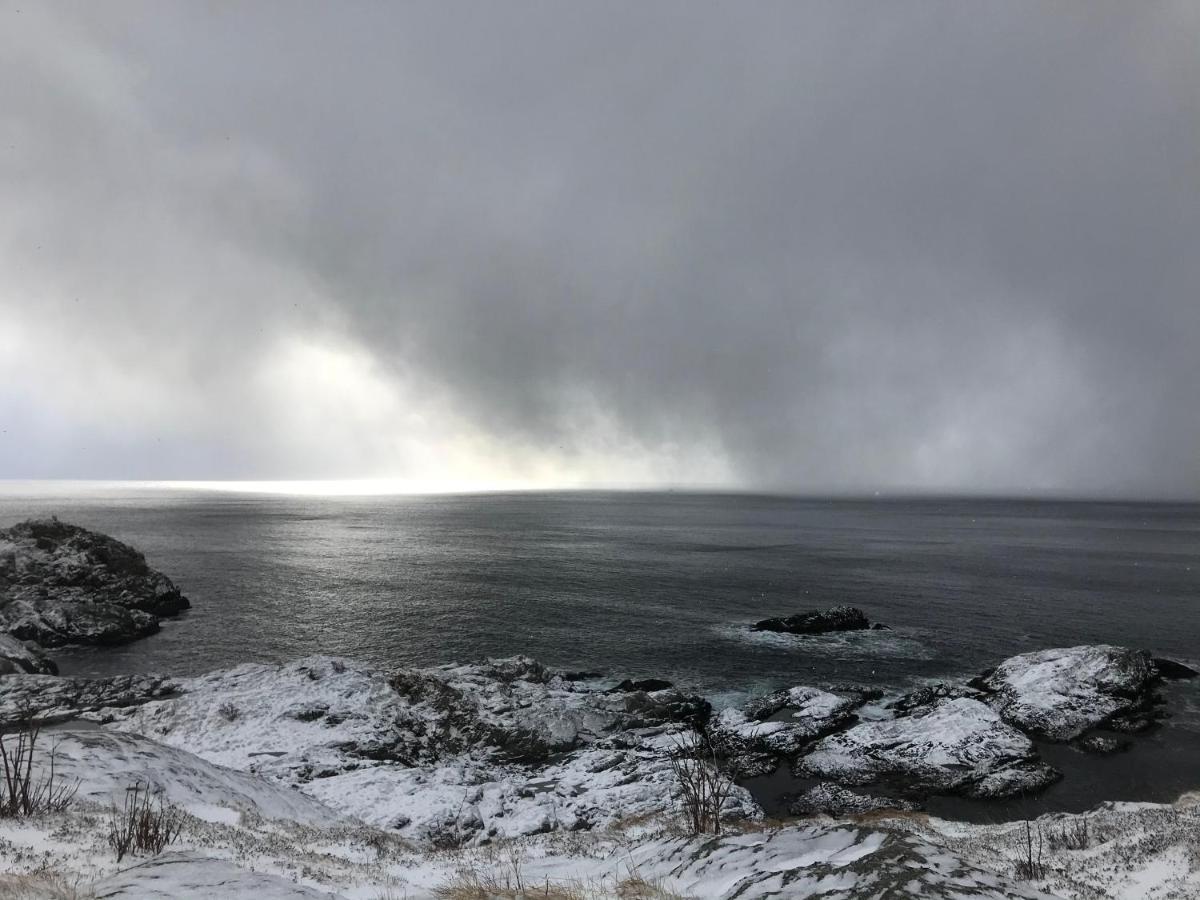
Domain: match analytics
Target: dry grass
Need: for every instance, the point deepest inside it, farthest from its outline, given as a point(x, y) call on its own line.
point(41, 886)
point(635, 887)
point(473, 884)
point(880, 816)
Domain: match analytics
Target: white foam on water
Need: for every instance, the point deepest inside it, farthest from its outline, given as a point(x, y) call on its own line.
point(867, 644)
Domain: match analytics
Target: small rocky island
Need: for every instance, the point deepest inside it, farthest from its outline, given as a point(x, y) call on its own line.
point(62, 584)
point(820, 621)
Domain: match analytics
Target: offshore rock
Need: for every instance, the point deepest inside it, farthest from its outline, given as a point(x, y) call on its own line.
point(62, 584)
point(839, 618)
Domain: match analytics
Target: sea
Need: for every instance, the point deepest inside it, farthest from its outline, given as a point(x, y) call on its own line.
point(667, 584)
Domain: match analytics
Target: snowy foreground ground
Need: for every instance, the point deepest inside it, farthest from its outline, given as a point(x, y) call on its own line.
point(324, 778)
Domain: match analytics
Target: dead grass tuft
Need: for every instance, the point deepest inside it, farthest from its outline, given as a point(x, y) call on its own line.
point(40, 886)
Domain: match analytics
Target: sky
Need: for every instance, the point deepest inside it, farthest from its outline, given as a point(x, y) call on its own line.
point(804, 246)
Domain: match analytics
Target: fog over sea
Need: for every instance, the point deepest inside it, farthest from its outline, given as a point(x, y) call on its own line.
point(666, 584)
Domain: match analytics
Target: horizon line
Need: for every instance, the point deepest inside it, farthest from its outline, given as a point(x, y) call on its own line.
point(382, 487)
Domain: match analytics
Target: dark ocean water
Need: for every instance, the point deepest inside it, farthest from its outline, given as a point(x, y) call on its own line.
point(664, 584)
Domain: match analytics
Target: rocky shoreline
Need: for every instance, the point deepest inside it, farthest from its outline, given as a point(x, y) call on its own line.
point(459, 758)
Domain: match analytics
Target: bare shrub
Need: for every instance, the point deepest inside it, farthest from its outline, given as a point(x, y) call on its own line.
point(228, 711)
point(705, 781)
point(23, 793)
point(141, 826)
point(1029, 864)
point(1071, 835)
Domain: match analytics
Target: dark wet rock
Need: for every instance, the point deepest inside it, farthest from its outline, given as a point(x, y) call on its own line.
point(62, 584)
point(835, 800)
point(581, 676)
point(780, 724)
point(646, 684)
point(49, 699)
point(24, 656)
point(1060, 694)
point(839, 618)
point(642, 709)
point(957, 746)
point(931, 695)
point(805, 703)
point(1168, 668)
point(1101, 745)
point(1135, 723)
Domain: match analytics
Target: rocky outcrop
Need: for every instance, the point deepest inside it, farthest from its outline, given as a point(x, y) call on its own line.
point(1062, 693)
point(47, 699)
point(445, 755)
point(24, 656)
point(778, 725)
point(62, 584)
point(956, 746)
point(839, 618)
point(835, 800)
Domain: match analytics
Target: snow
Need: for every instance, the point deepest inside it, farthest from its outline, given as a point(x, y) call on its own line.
point(106, 764)
point(325, 778)
point(958, 744)
point(191, 876)
point(1063, 692)
point(436, 754)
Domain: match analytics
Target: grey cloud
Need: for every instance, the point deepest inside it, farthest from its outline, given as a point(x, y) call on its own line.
point(843, 246)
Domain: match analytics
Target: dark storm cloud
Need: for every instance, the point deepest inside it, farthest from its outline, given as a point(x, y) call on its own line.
point(816, 246)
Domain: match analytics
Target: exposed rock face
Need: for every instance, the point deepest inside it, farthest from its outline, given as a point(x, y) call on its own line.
point(801, 715)
point(62, 584)
point(834, 800)
point(646, 684)
point(956, 746)
point(23, 656)
point(839, 618)
point(48, 699)
point(1059, 694)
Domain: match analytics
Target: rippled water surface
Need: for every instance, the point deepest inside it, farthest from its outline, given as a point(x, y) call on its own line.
point(654, 583)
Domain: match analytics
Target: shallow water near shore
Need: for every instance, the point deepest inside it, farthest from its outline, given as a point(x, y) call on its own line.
point(666, 584)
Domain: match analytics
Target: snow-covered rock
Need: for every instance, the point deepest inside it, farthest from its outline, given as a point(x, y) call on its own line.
point(48, 699)
point(106, 764)
point(1059, 694)
point(779, 724)
point(62, 584)
point(955, 746)
point(446, 755)
point(835, 800)
point(190, 875)
point(831, 863)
